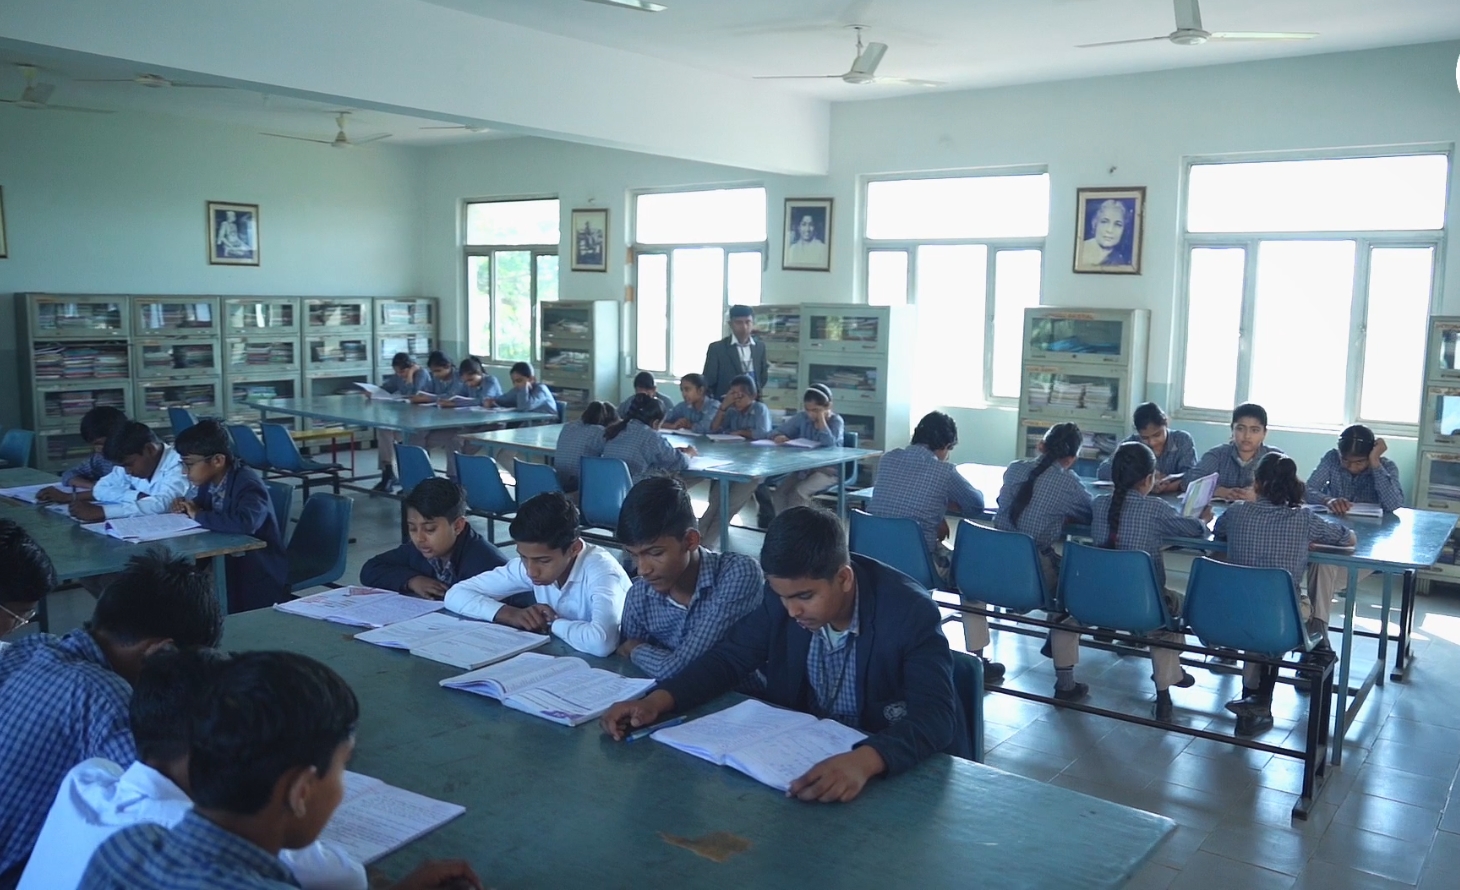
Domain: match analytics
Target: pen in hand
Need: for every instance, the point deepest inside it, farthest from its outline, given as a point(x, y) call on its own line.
point(650, 730)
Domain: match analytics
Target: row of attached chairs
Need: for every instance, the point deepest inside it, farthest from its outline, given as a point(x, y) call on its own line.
point(278, 454)
point(15, 448)
point(319, 546)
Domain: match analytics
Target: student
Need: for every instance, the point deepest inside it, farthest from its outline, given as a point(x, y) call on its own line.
point(408, 378)
point(1273, 531)
point(579, 439)
point(686, 597)
point(96, 426)
point(1129, 518)
point(64, 699)
point(837, 635)
point(635, 440)
point(1234, 462)
point(442, 381)
point(476, 383)
point(232, 498)
point(266, 768)
point(147, 479)
point(443, 549)
point(817, 422)
point(98, 798)
point(1174, 449)
point(526, 393)
point(695, 413)
point(742, 415)
point(579, 587)
point(1038, 498)
point(28, 576)
point(644, 384)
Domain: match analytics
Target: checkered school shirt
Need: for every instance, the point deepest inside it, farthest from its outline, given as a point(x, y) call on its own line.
point(833, 671)
point(1268, 536)
point(729, 587)
point(756, 419)
point(1372, 486)
point(913, 484)
point(1058, 498)
point(1179, 456)
point(701, 418)
point(644, 451)
point(1223, 461)
point(1145, 522)
point(576, 441)
point(194, 855)
point(60, 704)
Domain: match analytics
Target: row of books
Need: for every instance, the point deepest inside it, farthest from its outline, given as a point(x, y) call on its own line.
point(853, 328)
point(1095, 446)
point(842, 377)
point(196, 356)
point(74, 403)
point(243, 391)
point(567, 325)
point(781, 327)
point(201, 397)
point(176, 316)
point(258, 352)
point(414, 344)
point(73, 317)
point(1073, 396)
point(57, 361)
point(67, 448)
point(402, 314)
point(782, 375)
point(571, 397)
point(337, 315)
point(565, 361)
point(339, 351)
point(261, 315)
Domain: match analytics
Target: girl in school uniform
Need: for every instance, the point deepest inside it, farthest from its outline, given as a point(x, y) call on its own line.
point(476, 383)
point(1175, 450)
point(1042, 495)
point(579, 439)
point(526, 394)
point(740, 414)
point(1129, 518)
point(696, 412)
point(635, 440)
point(815, 422)
point(1273, 532)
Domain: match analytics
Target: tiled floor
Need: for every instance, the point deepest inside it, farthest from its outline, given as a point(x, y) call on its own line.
point(1388, 818)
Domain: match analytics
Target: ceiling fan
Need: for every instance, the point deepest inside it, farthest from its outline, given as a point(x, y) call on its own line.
point(469, 128)
point(640, 5)
point(36, 96)
point(341, 140)
point(863, 70)
point(1189, 31)
point(156, 82)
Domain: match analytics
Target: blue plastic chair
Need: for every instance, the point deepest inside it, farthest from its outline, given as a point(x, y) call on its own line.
point(414, 466)
point(603, 484)
point(485, 493)
point(896, 542)
point(284, 458)
point(999, 568)
point(181, 419)
point(533, 480)
point(1241, 607)
point(1114, 589)
point(247, 446)
point(320, 543)
point(15, 447)
point(282, 496)
point(968, 686)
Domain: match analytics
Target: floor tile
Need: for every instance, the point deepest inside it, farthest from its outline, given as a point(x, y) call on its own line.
point(1383, 781)
point(1028, 762)
point(1273, 848)
point(1320, 875)
point(1152, 876)
point(1412, 759)
point(1442, 866)
point(1389, 817)
point(1207, 871)
point(1179, 846)
point(1371, 852)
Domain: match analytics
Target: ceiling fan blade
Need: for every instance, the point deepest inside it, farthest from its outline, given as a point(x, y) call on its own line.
point(299, 138)
point(1188, 15)
point(640, 5)
point(75, 108)
point(1262, 35)
point(200, 86)
point(909, 81)
point(1122, 42)
point(799, 76)
point(39, 93)
point(103, 80)
point(370, 139)
point(870, 58)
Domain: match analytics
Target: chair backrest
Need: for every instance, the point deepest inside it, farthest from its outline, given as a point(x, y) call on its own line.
point(15, 447)
point(1112, 588)
point(562, 412)
point(247, 447)
point(485, 492)
point(1241, 607)
point(280, 449)
point(896, 542)
point(533, 480)
point(181, 419)
point(999, 568)
point(282, 496)
point(413, 464)
point(968, 686)
point(603, 483)
point(321, 541)
point(851, 440)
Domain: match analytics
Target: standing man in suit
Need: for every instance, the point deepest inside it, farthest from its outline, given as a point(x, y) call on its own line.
point(740, 353)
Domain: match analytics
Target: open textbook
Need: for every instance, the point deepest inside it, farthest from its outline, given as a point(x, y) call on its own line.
point(141, 529)
point(1199, 495)
point(794, 443)
point(771, 745)
point(31, 493)
point(1371, 511)
point(377, 392)
point(360, 606)
point(375, 819)
point(564, 690)
point(459, 642)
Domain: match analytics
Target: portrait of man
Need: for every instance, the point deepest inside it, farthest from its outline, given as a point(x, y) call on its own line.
point(233, 234)
point(590, 240)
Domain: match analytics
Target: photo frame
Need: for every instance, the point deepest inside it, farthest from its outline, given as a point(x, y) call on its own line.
point(806, 235)
point(4, 248)
point(233, 234)
point(590, 240)
point(1109, 230)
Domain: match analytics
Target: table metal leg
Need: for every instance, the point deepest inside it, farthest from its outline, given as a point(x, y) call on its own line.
point(1340, 713)
point(1403, 657)
point(724, 512)
point(220, 582)
point(841, 490)
point(1384, 608)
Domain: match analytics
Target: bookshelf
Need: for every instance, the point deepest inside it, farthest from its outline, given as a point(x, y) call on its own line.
point(262, 353)
point(403, 326)
point(1437, 471)
point(579, 351)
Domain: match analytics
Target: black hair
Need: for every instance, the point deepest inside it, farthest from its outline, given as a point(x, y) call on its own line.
point(600, 413)
point(472, 366)
point(1276, 479)
point(1061, 441)
point(658, 507)
point(159, 596)
point(1131, 463)
point(549, 519)
point(401, 360)
point(746, 382)
point(127, 440)
point(804, 542)
point(642, 407)
point(1356, 441)
point(936, 431)
point(818, 393)
point(739, 311)
point(437, 498)
point(523, 369)
point(1250, 409)
point(29, 574)
point(439, 359)
point(645, 380)
point(169, 692)
point(1150, 414)
point(697, 380)
point(99, 422)
point(268, 713)
point(204, 439)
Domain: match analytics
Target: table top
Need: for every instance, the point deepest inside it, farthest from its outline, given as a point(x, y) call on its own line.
point(749, 461)
point(549, 805)
point(353, 410)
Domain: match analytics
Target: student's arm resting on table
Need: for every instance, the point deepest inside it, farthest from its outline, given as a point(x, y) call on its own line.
point(729, 661)
point(1080, 502)
point(1174, 525)
point(961, 492)
point(667, 457)
point(1102, 472)
point(391, 570)
point(479, 597)
point(325, 866)
point(598, 634)
point(1322, 530)
point(1319, 481)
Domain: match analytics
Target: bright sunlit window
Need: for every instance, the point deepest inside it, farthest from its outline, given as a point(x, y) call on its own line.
point(511, 256)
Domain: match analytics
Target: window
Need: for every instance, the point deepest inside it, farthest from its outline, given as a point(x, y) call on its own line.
point(1308, 286)
point(968, 252)
point(695, 255)
point(511, 258)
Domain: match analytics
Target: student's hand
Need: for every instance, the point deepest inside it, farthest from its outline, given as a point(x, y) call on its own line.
point(182, 505)
point(445, 874)
point(1339, 506)
point(422, 398)
point(688, 450)
point(943, 530)
point(627, 716)
point(627, 647)
point(81, 483)
point(88, 512)
point(537, 618)
point(1235, 494)
point(489, 402)
point(1166, 486)
point(54, 495)
point(780, 439)
point(840, 778)
point(745, 434)
point(1380, 446)
point(1206, 514)
point(426, 588)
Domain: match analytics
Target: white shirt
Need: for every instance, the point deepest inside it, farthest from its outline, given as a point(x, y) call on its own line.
point(118, 493)
point(745, 365)
point(589, 605)
point(97, 799)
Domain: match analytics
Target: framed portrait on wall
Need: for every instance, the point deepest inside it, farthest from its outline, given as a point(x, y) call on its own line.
point(4, 250)
point(590, 240)
point(1109, 227)
point(233, 234)
point(807, 235)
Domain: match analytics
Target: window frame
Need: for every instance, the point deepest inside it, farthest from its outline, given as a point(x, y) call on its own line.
point(469, 251)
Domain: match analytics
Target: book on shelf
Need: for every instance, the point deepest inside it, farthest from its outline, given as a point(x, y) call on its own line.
point(459, 642)
point(561, 689)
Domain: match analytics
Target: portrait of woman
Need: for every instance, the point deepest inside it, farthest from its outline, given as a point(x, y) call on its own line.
point(1109, 222)
point(808, 234)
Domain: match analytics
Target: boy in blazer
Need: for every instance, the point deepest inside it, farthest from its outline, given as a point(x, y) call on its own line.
point(443, 548)
point(739, 353)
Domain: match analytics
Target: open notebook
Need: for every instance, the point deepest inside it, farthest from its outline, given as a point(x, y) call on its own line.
point(152, 527)
point(359, 606)
point(563, 690)
point(1370, 511)
point(771, 745)
point(377, 392)
point(376, 819)
point(459, 642)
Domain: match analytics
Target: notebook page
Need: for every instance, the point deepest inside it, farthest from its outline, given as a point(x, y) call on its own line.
point(376, 819)
point(714, 736)
point(514, 674)
point(577, 697)
point(155, 527)
point(1198, 495)
point(724, 437)
point(413, 632)
point(360, 607)
point(478, 643)
point(708, 463)
point(785, 757)
point(803, 443)
point(377, 392)
point(28, 493)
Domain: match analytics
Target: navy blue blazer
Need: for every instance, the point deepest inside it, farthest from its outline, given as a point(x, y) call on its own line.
point(904, 669)
point(259, 578)
point(394, 569)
